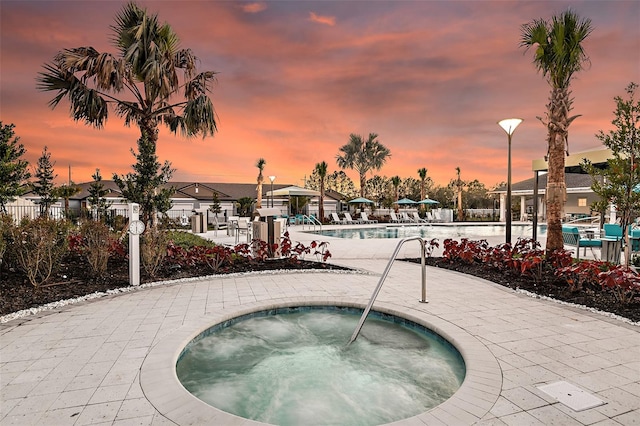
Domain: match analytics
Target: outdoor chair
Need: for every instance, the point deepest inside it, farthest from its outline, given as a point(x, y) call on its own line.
point(348, 219)
point(417, 218)
point(404, 217)
point(571, 237)
point(429, 217)
point(335, 220)
point(365, 219)
point(243, 227)
point(394, 218)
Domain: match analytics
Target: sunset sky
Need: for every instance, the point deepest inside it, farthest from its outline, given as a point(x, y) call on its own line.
point(431, 78)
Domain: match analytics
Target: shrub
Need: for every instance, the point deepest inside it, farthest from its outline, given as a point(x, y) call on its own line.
point(40, 245)
point(622, 281)
point(153, 250)
point(6, 236)
point(187, 239)
point(96, 245)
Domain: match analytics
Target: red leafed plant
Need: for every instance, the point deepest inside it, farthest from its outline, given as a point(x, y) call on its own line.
point(622, 281)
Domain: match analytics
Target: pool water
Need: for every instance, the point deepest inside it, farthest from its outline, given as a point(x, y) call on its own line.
point(296, 369)
point(433, 231)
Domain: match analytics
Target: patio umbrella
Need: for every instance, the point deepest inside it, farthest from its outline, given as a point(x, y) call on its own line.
point(428, 201)
point(405, 201)
point(361, 200)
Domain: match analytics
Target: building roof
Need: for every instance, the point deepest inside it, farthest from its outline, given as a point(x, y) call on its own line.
point(202, 191)
point(576, 182)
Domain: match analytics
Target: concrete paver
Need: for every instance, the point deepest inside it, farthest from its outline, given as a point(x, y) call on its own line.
point(80, 365)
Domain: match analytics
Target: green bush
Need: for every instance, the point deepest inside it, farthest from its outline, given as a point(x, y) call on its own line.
point(39, 246)
point(187, 240)
point(96, 241)
point(153, 249)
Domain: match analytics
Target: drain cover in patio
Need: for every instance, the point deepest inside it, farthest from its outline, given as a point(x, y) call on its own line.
point(571, 396)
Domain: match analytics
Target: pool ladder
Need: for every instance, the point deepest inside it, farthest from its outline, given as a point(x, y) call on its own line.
point(423, 243)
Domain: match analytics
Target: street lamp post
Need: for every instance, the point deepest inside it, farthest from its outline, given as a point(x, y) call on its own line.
point(272, 178)
point(509, 126)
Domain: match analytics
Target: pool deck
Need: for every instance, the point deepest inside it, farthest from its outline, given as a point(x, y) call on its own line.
point(81, 364)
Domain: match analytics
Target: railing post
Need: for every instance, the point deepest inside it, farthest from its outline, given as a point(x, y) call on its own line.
point(423, 263)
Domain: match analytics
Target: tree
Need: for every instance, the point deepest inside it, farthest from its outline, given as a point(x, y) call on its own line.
point(143, 186)
point(140, 83)
point(321, 170)
point(459, 184)
point(362, 156)
point(395, 181)
point(423, 178)
point(97, 195)
point(260, 165)
point(376, 188)
point(44, 186)
point(559, 55)
point(244, 205)
point(618, 183)
point(410, 188)
point(14, 172)
point(65, 192)
point(215, 207)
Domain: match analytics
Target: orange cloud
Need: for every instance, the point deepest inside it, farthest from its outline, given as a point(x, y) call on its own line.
point(325, 20)
point(254, 7)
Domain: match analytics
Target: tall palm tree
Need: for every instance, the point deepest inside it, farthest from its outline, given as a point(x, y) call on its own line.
point(396, 181)
point(260, 165)
point(559, 55)
point(459, 186)
point(321, 170)
point(362, 156)
point(423, 178)
point(140, 83)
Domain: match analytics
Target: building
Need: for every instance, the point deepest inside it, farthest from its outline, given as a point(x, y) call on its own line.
point(580, 196)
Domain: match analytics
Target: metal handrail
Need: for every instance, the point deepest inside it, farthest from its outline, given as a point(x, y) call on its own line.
point(311, 221)
point(593, 219)
point(354, 336)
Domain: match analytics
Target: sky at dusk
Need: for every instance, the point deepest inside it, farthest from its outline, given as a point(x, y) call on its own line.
point(295, 78)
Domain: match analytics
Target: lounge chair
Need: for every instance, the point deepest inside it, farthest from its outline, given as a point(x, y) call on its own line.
point(404, 217)
point(394, 218)
point(348, 219)
point(365, 219)
point(335, 220)
point(437, 217)
point(417, 218)
point(429, 217)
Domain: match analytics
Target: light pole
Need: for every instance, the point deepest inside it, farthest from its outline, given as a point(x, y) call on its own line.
point(509, 126)
point(272, 178)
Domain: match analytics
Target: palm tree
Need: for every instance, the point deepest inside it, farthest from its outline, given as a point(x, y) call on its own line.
point(559, 55)
point(260, 165)
point(321, 170)
point(459, 186)
point(363, 156)
point(395, 181)
point(140, 83)
point(423, 177)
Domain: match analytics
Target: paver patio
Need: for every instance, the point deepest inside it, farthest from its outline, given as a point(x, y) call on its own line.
point(81, 364)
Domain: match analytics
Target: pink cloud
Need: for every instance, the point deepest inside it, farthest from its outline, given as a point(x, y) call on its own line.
point(254, 7)
point(325, 20)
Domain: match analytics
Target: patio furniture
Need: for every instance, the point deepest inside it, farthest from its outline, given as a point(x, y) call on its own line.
point(417, 218)
point(394, 218)
point(365, 219)
point(571, 237)
point(404, 217)
point(336, 220)
point(242, 227)
point(348, 219)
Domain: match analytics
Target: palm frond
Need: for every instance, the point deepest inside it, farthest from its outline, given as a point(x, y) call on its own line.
point(199, 85)
point(86, 104)
point(199, 117)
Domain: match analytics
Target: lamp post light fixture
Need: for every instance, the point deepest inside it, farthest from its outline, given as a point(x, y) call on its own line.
point(509, 126)
point(272, 178)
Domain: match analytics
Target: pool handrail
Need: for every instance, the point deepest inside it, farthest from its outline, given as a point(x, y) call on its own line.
point(311, 221)
point(423, 264)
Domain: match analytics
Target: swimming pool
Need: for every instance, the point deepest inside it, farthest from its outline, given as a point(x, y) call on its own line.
point(439, 231)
